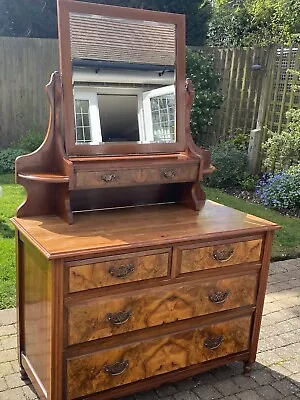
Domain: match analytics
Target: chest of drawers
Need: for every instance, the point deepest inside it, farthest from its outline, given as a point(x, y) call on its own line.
point(125, 300)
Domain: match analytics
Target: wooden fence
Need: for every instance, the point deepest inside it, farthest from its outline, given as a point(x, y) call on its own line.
point(256, 85)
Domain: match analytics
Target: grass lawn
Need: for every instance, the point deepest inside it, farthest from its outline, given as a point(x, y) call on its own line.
point(286, 245)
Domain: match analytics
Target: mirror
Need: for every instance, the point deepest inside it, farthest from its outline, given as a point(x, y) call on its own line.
point(122, 77)
point(123, 74)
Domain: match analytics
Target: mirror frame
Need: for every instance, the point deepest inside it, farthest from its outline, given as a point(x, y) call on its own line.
point(64, 9)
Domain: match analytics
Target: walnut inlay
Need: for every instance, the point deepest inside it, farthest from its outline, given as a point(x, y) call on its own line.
point(200, 258)
point(103, 317)
point(90, 374)
point(119, 269)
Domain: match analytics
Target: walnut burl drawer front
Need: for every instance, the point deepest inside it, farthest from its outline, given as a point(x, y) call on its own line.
point(112, 178)
point(192, 258)
point(121, 365)
point(119, 269)
point(103, 317)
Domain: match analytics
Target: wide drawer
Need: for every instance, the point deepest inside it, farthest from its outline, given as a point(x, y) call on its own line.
point(136, 176)
point(125, 364)
point(118, 269)
point(191, 258)
point(103, 317)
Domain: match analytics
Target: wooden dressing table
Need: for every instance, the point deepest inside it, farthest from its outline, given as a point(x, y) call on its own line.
point(127, 277)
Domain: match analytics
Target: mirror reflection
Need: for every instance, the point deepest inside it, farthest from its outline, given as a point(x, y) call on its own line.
point(123, 80)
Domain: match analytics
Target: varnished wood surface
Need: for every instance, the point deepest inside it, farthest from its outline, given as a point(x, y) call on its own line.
point(90, 374)
point(114, 315)
point(118, 270)
point(196, 259)
point(120, 229)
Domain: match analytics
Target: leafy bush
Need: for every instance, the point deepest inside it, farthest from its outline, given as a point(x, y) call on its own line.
point(283, 149)
point(240, 139)
point(30, 141)
point(231, 166)
point(207, 96)
point(7, 159)
point(280, 191)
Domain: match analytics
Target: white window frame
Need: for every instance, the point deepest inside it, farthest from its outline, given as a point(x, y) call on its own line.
point(145, 113)
point(94, 115)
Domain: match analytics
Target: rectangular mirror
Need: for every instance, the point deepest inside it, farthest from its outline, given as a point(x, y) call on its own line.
point(122, 79)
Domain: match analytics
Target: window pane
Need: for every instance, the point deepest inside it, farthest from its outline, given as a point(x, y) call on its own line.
point(163, 118)
point(82, 122)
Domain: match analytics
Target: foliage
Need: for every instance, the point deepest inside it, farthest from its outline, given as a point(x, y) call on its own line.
point(245, 23)
point(240, 139)
point(30, 141)
point(231, 166)
point(280, 191)
point(38, 18)
point(7, 159)
point(207, 96)
point(283, 149)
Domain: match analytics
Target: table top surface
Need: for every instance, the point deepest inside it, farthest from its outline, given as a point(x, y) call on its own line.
point(124, 229)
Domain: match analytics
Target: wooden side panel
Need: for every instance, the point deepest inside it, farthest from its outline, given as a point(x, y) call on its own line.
point(123, 177)
point(116, 270)
point(37, 313)
point(196, 259)
point(119, 366)
point(103, 317)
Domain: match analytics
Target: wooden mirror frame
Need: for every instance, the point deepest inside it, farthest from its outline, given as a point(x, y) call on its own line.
point(65, 7)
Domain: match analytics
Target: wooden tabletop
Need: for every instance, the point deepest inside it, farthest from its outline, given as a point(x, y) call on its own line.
point(118, 229)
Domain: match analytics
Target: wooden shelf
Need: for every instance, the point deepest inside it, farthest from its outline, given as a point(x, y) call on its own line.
point(50, 178)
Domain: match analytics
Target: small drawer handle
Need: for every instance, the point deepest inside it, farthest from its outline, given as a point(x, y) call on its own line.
point(214, 342)
point(119, 318)
point(218, 297)
point(117, 368)
point(169, 174)
point(223, 254)
point(122, 272)
point(109, 177)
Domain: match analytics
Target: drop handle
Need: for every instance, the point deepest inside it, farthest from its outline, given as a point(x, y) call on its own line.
point(218, 297)
point(169, 174)
point(223, 254)
point(119, 318)
point(117, 368)
point(122, 272)
point(213, 343)
point(109, 177)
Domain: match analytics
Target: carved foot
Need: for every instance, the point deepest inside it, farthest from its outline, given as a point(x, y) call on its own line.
point(23, 374)
point(247, 368)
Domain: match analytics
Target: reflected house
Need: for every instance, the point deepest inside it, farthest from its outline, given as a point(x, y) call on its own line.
point(123, 80)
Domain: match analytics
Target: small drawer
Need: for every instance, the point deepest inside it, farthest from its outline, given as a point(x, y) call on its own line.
point(136, 176)
point(119, 269)
point(193, 258)
point(121, 365)
point(103, 317)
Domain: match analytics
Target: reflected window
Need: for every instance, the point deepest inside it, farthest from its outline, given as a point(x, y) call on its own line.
point(82, 127)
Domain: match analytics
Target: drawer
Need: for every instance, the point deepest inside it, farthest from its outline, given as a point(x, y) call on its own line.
point(119, 269)
point(103, 317)
point(193, 258)
point(136, 176)
point(107, 369)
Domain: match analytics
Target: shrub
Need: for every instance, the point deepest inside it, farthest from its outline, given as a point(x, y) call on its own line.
point(7, 159)
point(30, 141)
point(283, 149)
point(231, 166)
point(207, 96)
point(240, 139)
point(280, 191)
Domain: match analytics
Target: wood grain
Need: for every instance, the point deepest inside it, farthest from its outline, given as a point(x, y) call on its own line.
point(201, 258)
point(103, 317)
point(130, 268)
point(124, 229)
point(86, 375)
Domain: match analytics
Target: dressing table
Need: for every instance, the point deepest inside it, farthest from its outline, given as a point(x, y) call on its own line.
point(128, 277)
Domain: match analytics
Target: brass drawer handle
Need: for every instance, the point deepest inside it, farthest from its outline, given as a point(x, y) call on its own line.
point(117, 368)
point(122, 272)
point(109, 177)
point(119, 318)
point(214, 342)
point(223, 254)
point(218, 297)
point(169, 174)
